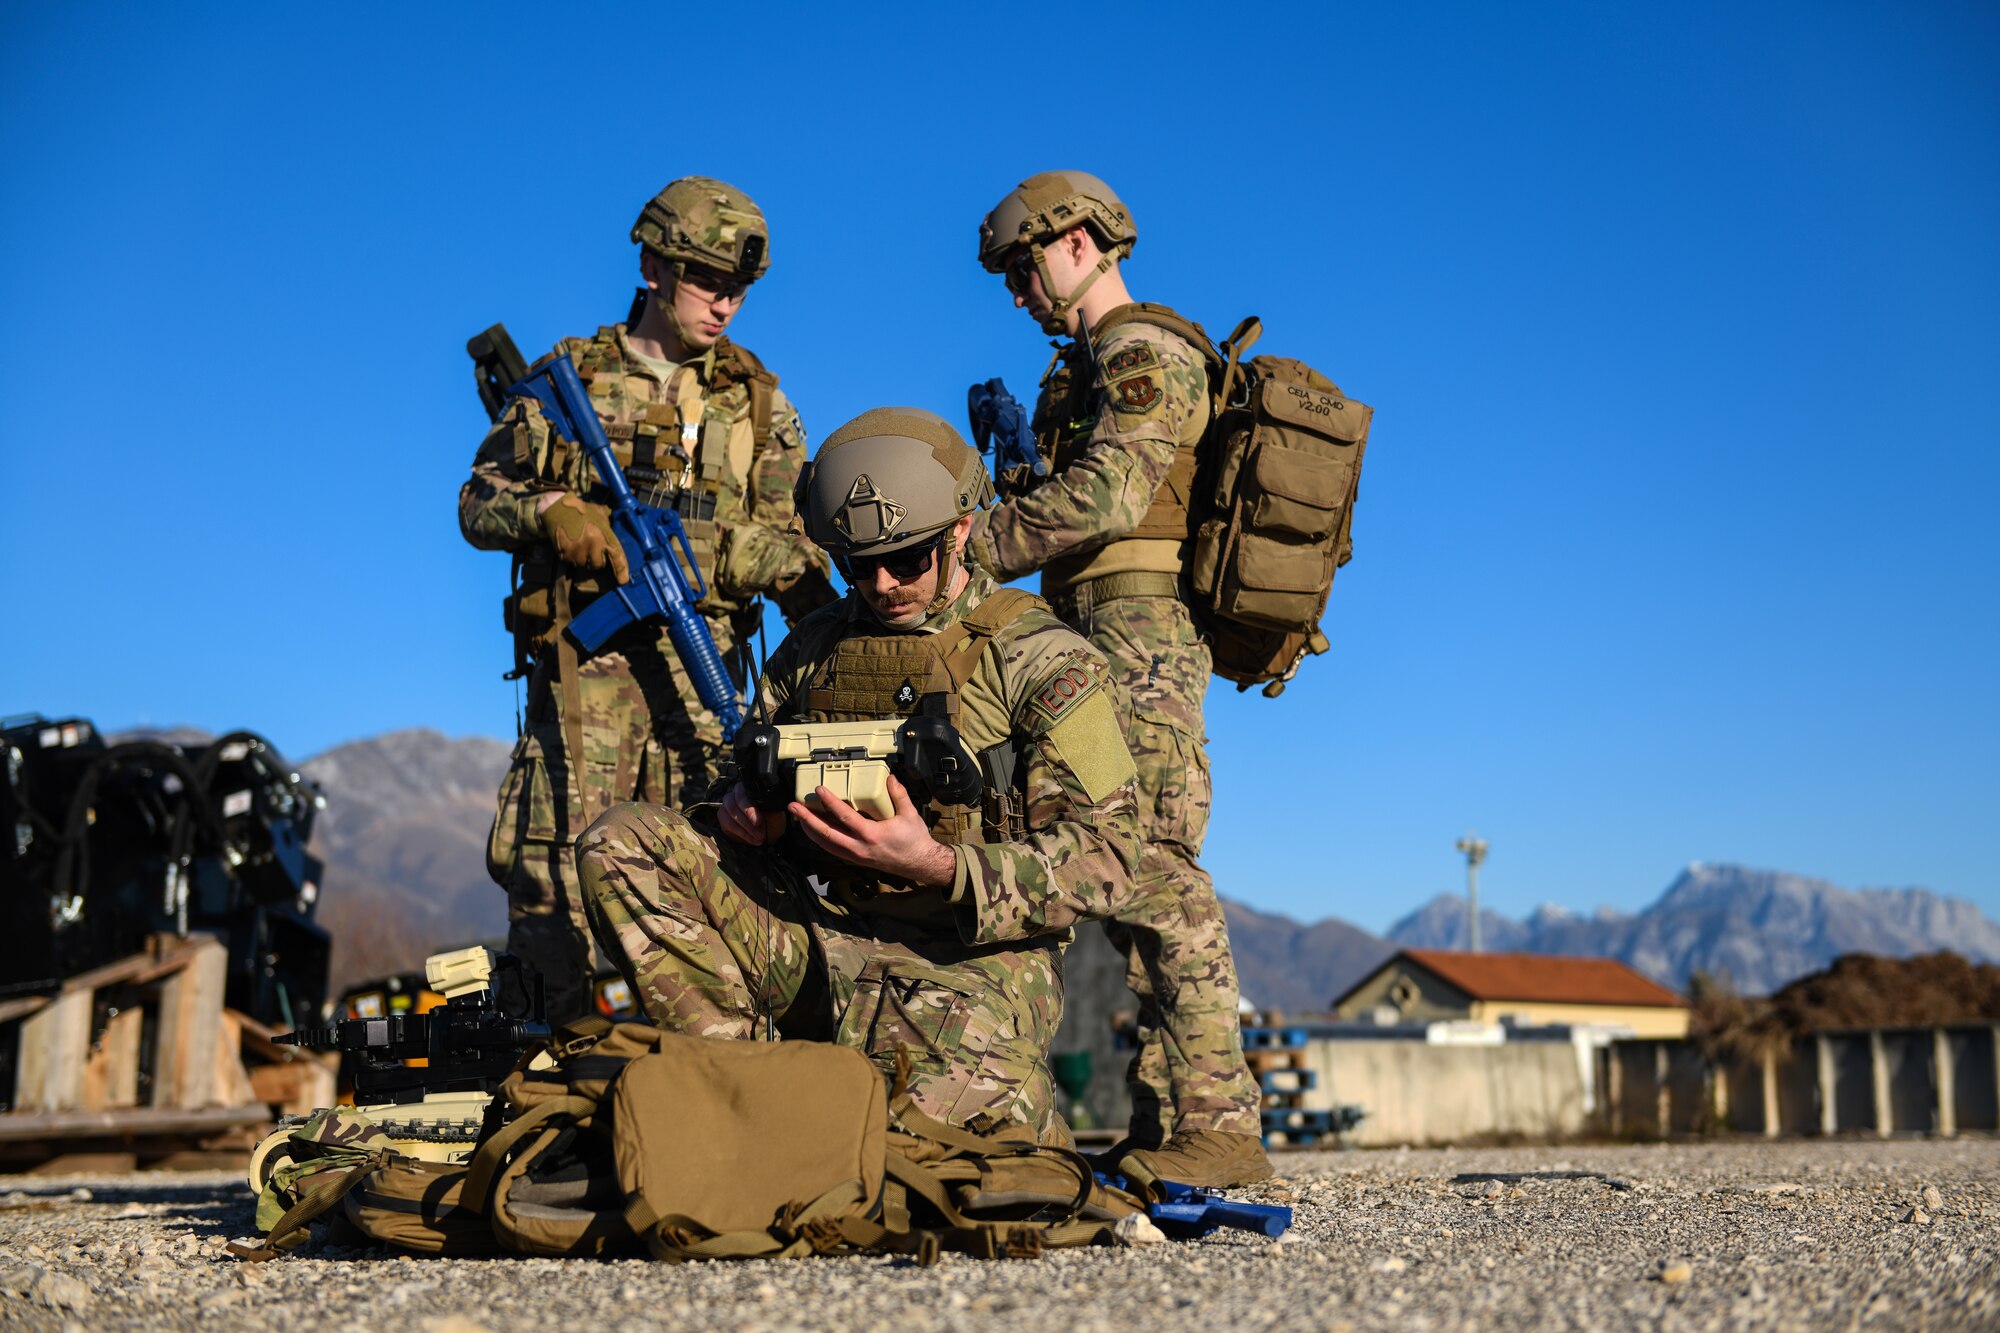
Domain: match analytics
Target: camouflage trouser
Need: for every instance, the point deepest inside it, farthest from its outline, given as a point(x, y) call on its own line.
point(1188, 1072)
point(645, 736)
point(723, 940)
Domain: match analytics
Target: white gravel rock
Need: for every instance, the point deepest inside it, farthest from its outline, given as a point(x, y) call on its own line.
point(1785, 1236)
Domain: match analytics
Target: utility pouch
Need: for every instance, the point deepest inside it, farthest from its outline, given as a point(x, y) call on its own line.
point(529, 609)
point(419, 1207)
point(529, 612)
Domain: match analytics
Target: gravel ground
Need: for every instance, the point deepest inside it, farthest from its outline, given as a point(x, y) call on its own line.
point(1801, 1235)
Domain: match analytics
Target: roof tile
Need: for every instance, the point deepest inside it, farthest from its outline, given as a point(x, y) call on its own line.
point(1543, 978)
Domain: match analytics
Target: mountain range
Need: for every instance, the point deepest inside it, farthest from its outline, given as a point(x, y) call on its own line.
point(1754, 929)
point(404, 838)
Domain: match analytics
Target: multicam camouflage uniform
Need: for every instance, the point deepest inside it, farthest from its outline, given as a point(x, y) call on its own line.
point(727, 940)
point(688, 440)
point(1107, 529)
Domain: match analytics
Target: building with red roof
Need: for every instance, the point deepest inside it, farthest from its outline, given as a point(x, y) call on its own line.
point(1433, 985)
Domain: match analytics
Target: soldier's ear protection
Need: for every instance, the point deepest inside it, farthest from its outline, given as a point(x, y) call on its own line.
point(752, 254)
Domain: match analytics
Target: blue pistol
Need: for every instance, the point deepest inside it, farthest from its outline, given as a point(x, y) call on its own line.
point(1186, 1212)
point(659, 589)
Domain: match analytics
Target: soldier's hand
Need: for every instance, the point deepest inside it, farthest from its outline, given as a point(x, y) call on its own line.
point(583, 537)
point(743, 822)
point(900, 845)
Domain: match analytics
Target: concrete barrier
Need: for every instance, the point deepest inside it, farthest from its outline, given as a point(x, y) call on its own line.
point(1418, 1093)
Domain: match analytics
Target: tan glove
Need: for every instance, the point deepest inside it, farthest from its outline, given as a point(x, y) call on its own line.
point(583, 537)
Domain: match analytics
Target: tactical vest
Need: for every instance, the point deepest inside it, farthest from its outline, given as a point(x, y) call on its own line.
point(863, 677)
point(675, 455)
point(1066, 416)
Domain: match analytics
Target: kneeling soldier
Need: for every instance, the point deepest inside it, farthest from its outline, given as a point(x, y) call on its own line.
point(937, 930)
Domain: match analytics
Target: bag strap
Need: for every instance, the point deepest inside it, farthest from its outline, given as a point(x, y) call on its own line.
point(1146, 312)
point(902, 1107)
point(739, 364)
point(295, 1227)
point(811, 1228)
point(981, 625)
point(1233, 347)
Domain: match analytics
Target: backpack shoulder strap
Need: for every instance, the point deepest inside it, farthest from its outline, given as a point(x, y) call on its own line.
point(980, 626)
point(734, 364)
point(1164, 317)
point(598, 355)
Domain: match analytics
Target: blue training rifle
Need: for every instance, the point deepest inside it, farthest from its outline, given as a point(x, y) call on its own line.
point(659, 589)
point(1000, 428)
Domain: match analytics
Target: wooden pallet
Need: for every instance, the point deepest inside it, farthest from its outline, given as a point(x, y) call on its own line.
point(144, 1049)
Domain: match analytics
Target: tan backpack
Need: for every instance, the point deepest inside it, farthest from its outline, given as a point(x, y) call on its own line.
point(769, 1150)
point(1270, 509)
point(695, 1148)
point(1273, 510)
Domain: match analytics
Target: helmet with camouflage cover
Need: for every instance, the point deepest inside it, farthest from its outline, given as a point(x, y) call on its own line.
point(1042, 208)
point(707, 224)
point(892, 478)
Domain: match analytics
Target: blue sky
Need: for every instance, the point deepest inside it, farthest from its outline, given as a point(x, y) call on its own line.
point(1682, 325)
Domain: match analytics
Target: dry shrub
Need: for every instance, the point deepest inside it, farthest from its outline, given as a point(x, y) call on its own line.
point(1857, 991)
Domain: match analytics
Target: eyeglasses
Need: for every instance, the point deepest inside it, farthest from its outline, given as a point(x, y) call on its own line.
point(1018, 271)
point(912, 562)
point(711, 286)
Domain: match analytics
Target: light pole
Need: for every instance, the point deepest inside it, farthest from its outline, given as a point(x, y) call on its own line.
point(1474, 848)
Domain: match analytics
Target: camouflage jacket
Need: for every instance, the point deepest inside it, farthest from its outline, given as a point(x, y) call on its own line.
point(1037, 709)
point(686, 442)
point(1112, 429)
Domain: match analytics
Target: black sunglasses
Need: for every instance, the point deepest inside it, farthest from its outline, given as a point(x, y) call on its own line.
point(1018, 271)
point(912, 562)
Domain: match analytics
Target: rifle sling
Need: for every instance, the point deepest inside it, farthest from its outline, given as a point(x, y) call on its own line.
point(568, 666)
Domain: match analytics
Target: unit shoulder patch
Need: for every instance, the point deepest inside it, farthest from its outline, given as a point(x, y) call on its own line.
point(1139, 393)
point(790, 431)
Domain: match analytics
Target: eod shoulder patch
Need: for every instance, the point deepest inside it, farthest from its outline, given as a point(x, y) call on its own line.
point(1125, 360)
point(1062, 692)
point(1076, 714)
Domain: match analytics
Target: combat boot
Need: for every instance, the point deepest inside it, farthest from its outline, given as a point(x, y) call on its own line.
point(1108, 1160)
point(1215, 1158)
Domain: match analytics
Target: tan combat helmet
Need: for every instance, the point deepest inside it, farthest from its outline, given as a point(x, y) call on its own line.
point(1042, 208)
point(892, 478)
point(707, 224)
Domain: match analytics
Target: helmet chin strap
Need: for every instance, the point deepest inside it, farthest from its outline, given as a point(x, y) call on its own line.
point(1057, 323)
point(947, 564)
point(664, 296)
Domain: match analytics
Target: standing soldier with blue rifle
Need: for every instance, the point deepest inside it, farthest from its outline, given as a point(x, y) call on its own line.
point(1123, 406)
point(699, 427)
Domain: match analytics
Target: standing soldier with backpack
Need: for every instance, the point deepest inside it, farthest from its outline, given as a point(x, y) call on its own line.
point(699, 426)
point(1122, 409)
